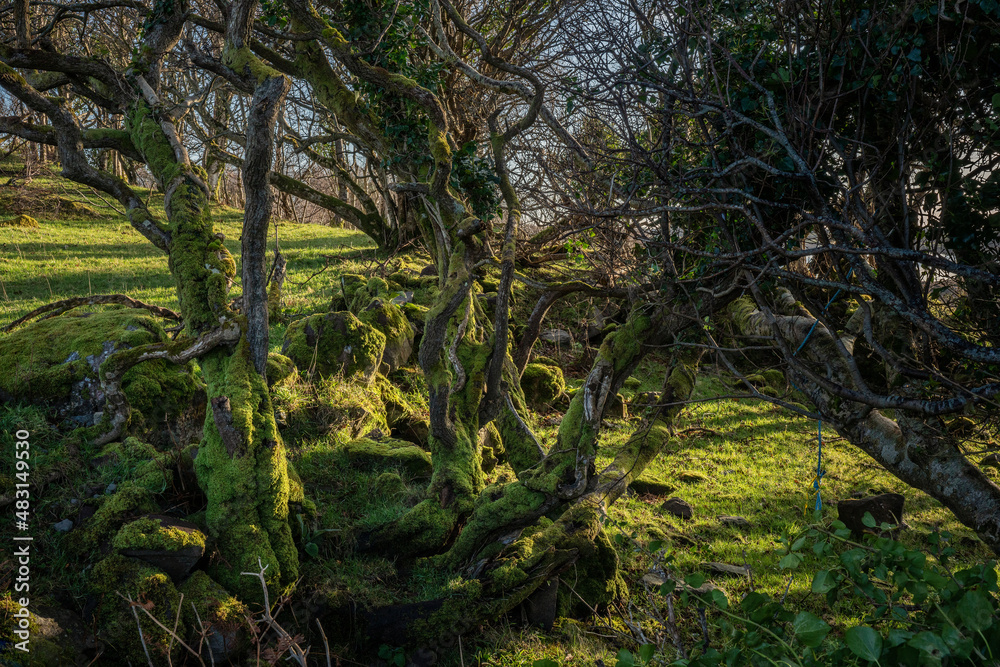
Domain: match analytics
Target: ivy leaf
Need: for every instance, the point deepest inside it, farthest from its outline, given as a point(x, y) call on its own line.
point(810, 629)
point(864, 642)
point(975, 611)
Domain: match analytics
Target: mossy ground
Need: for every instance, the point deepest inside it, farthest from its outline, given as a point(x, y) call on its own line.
point(731, 457)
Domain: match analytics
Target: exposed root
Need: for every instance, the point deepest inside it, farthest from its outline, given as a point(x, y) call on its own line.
point(60, 307)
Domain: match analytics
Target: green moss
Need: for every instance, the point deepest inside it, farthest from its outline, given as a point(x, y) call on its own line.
point(148, 533)
point(23, 221)
point(53, 361)
point(144, 584)
point(334, 343)
point(216, 606)
point(279, 369)
point(542, 384)
point(128, 502)
point(387, 453)
point(390, 320)
point(245, 477)
point(146, 467)
point(389, 484)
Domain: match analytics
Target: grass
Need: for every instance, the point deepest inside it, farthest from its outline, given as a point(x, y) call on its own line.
point(730, 457)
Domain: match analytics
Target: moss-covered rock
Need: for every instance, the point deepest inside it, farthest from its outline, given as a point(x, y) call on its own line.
point(147, 467)
point(130, 502)
point(69, 208)
point(23, 221)
point(218, 611)
point(334, 343)
point(389, 485)
point(279, 369)
point(389, 319)
point(55, 363)
point(389, 453)
point(168, 544)
point(542, 384)
point(115, 621)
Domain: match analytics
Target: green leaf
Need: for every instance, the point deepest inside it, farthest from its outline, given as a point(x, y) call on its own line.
point(646, 652)
point(694, 580)
point(975, 611)
point(996, 101)
point(810, 629)
point(545, 662)
point(931, 645)
point(864, 642)
point(625, 659)
point(790, 562)
point(824, 582)
point(868, 520)
point(312, 549)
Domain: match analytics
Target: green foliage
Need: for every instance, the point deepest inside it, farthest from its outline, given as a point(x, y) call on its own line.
point(919, 610)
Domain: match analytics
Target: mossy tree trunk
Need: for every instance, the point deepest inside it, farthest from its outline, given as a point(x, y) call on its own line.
point(241, 463)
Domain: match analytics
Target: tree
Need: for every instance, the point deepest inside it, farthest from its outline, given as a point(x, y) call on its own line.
point(841, 160)
point(386, 82)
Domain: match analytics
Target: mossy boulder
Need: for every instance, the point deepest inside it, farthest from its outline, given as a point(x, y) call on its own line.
point(55, 363)
point(356, 292)
point(770, 382)
point(69, 208)
point(116, 624)
point(389, 319)
point(148, 468)
point(388, 453)
point(23, 221)
point(222, 614)
point(542, 384)
point(334, 343)
point(129, 502)
point(279, 369)
point(164, 542)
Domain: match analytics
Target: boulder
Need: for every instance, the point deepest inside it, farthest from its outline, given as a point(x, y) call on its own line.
point(25, 221)
point(332, 343)
point(388, 452)
point(279, 369)
point(390, 320)
point(728, 570)
point(220, 613)
point(884, 508)
point(734, 521)
point(556, 336)
point(55, 363)
point(115, 620)
point(678, 508)
point(166, 543)
point(542, 384)
point(651, 486)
